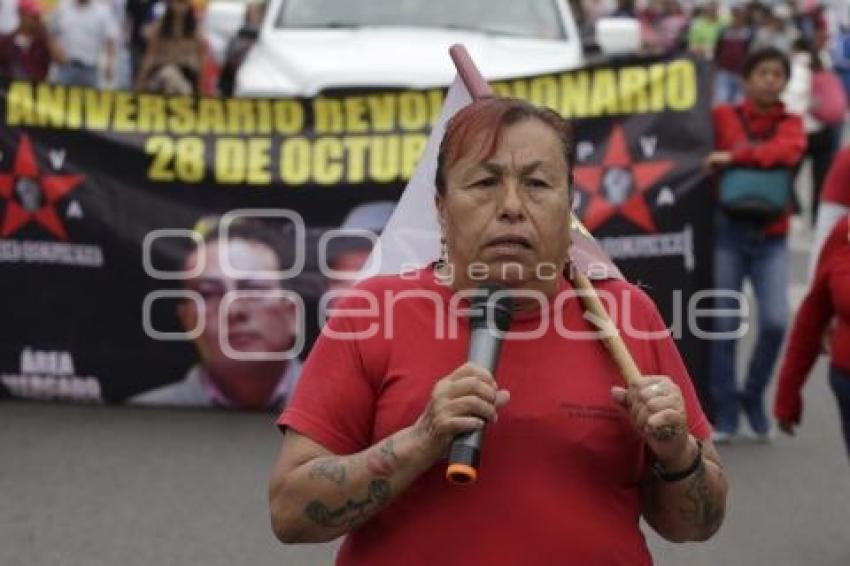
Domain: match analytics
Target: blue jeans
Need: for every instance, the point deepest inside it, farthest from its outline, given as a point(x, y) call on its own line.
point(840, 382)
point(728, 87)
point(742, 251)
point(77, 74)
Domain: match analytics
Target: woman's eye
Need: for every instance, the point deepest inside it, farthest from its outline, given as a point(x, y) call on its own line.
point(485, 182)
point(537, 183)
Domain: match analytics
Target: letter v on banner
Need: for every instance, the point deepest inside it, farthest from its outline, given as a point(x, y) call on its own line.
point(411, 238)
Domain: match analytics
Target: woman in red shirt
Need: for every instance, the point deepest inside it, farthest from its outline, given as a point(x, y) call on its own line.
point(828, 298)
point(566, 474)
point(25, 53)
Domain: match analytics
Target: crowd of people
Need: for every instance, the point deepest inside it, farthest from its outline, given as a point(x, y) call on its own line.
point(158, 45)
point(379, 401)
point(144, 45)
point(781, 85)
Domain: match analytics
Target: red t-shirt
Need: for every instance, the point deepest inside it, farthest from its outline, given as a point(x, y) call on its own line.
point(836, 186)
point(560, 469)
point(784, 149)
point(828, 297)
point(732, 47)
point(30, 63)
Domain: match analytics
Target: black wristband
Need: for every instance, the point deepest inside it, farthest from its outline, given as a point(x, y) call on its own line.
point(677, 476)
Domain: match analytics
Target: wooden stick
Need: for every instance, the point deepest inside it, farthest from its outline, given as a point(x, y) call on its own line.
point(479, 88)
point(611, 339)
point(475, 83)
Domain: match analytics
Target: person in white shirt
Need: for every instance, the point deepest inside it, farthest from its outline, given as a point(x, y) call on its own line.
point(8, 16)
point(823, 139)
point(82, 31)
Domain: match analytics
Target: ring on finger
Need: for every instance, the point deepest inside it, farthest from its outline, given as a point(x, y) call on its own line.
point(666, 432)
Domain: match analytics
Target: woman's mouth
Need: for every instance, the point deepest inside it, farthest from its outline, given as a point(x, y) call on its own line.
point(509, 244)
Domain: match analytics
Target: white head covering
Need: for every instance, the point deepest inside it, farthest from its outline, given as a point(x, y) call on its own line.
point(411, 239)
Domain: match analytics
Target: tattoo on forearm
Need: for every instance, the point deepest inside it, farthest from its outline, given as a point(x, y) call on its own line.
point(353, 513)
point(384, 461)
point(329, 468)
point(388, 450)
point(699, 507)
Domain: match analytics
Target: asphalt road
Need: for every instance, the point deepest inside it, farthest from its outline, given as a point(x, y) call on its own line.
point(102, 486)
point(95, 486)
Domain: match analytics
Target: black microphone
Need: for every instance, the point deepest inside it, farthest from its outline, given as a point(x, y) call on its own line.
point(490, 317)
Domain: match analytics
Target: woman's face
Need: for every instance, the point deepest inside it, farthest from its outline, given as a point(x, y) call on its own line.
point(507, 215)
point(766, 82)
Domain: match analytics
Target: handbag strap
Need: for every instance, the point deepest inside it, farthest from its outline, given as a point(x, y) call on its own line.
point(739, 111)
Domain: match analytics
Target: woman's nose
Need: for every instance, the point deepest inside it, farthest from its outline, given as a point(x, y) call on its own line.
point(512, 207)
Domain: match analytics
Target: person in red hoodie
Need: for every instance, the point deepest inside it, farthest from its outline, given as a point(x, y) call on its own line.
point(757, 134)
point(828, 298)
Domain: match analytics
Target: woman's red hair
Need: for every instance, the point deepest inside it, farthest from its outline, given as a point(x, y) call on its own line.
point(478, 127)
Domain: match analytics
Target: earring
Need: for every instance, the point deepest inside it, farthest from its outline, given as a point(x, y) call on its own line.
point(444, 251)
point(569, 268)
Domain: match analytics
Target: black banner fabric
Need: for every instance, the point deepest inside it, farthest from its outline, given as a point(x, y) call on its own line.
point(99, 192)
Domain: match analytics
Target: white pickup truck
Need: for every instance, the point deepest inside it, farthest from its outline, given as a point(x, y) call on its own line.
point(307, 46)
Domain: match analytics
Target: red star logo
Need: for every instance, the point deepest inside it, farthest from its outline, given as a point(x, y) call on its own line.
point(25, 174)
point(618, 161)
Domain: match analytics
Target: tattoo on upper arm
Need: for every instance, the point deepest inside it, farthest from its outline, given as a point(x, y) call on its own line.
point(328, 468)
point(699, 507)
point(353, 513)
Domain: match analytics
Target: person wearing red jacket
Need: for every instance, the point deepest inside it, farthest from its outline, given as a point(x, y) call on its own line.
point(758, 133)
point(25, 52)
point(828, 298)
point(834, 202)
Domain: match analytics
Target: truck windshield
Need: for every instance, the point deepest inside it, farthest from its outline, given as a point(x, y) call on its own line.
point(539, 19)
